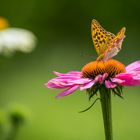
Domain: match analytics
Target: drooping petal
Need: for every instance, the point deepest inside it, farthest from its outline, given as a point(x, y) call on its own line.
point(129, 79)
point(110, 84)
point(88, 85)
point(133, 66)
point(72, 73)
point(69, 81)
point(68, 91)
point(104, 76)
point(101, 78)
point(81, 81)
point(117, 81)
point(57, 84)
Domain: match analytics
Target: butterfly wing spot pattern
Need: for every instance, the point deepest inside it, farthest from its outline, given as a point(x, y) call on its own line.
point(106, 44)
point(100, 37)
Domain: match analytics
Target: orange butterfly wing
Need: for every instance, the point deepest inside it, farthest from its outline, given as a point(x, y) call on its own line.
point(115, 45)
point(106, 44)
point(101, 38)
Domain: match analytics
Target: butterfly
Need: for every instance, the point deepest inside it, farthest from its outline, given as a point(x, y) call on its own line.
point(106, 44)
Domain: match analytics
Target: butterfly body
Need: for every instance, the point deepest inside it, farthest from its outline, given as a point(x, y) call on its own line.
point(106, 44)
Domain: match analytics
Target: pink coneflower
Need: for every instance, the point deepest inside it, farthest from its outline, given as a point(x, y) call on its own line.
point(112, 74)
point(104, 76)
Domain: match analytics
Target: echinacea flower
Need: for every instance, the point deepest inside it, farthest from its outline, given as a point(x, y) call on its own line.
point(111, 74)
point(15, 39)
point(105, 74)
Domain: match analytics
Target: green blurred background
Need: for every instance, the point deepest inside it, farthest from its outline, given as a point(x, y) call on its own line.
point(64, 43)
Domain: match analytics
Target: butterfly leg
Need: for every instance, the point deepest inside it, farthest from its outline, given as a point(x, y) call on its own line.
point(100, 57)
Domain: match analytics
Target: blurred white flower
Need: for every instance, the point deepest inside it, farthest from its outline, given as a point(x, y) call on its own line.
point(15, 39)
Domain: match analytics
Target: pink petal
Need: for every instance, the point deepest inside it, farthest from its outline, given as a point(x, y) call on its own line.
point(129, 79)
point(55, 84)
point(72, 73)
point(88, 85)
point(104, 76)
point(135, 66)
point(81, 81)
point(101, 78)
point(66, 80)
point(68, 91)
point(110, 84)
point(73, 80)
point(116, 80)
point(69, 81)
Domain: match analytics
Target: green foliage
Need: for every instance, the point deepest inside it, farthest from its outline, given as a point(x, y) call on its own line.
point(11, 120)
point(118, 91)
point(63, 31)
point(93, 90)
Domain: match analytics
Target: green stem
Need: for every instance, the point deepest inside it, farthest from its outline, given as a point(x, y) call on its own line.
point(13, 132)
point(105, 95)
